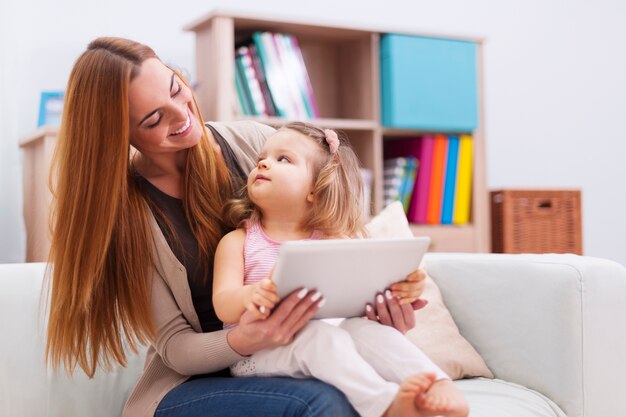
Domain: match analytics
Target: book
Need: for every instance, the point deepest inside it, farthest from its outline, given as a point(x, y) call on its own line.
point(307, 86)
point(437, 178)
point(250, 81)
point(242, 91)
point(283, 67)
point(410, 170)
point(449, 187)
point(260, 72)
point(463, 192)
point(393, 179)
point(273, 74)
point(421, 149)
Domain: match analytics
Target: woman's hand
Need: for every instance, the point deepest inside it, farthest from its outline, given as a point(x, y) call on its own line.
point(253, 334)
point(388, 311)
point(396, 307)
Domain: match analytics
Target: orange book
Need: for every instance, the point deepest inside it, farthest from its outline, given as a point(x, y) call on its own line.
point(438, 167)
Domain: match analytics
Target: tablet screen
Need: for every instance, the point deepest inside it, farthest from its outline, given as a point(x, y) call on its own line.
point(348, 272)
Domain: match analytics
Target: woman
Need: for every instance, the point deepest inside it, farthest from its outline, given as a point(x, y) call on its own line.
point(140, 188)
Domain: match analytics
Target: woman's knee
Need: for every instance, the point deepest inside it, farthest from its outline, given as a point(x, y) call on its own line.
point(263, 397)
point(329, 401)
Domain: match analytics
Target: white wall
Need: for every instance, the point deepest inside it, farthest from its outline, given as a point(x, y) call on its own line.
point(555, 84)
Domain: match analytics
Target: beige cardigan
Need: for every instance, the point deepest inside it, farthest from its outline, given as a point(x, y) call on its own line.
point(181, 349)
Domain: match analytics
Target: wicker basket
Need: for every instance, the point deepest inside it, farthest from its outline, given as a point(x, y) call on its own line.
point(536, 221)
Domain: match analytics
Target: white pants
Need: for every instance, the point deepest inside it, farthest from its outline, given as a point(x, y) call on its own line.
point(363, 359)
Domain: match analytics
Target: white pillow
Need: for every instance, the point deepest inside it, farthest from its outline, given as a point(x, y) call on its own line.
point(435, 332)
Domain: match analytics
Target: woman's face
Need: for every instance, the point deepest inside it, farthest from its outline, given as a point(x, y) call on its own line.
point(162, 114)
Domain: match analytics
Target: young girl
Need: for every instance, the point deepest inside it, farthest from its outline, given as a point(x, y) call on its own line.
point(307, 185)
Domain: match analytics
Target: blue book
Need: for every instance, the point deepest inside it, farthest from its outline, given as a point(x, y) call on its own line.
point(449, 187)
point(241, 94)
point(410, 171)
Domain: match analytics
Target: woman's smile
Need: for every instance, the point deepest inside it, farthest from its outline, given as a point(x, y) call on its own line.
point(185, 129)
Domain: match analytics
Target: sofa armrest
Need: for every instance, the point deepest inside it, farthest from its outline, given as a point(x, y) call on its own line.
point(27, 386)
point(553, 323)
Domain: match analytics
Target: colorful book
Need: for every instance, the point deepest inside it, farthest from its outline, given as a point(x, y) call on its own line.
point(293, 71)
point(437, 178)
point(410, 172)
point(260, 72)
point(421, 149)
point(393, 179)
point(449, 187)
point(242, 91)
point(290, 84)
point(418, 209)
point(307, 86)
point(463, 193)
point(244, 60)
point(273, 74)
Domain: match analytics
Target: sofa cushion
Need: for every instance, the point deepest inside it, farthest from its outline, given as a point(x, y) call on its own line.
point(435, 333)
point(498, 398)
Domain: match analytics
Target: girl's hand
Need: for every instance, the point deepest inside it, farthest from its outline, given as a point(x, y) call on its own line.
point(253, 334)
point(411, 289)
point(395, 308)
point(261, 298)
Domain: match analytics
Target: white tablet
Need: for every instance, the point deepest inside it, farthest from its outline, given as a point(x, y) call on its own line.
point(348, 272)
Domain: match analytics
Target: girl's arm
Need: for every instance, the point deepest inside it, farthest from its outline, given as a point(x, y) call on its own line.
point(231, 298)
point(229, 293)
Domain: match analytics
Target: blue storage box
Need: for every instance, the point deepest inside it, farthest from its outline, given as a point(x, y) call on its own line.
point(428, 83)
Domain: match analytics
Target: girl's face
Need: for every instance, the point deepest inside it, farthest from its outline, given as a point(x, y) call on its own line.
point(162, 113)
point(283, 178)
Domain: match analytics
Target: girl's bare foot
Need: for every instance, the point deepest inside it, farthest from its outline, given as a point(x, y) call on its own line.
point(441, 399)
point(405, 402)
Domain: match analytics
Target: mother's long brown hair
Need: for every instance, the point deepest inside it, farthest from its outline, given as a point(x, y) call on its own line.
point(101, 251)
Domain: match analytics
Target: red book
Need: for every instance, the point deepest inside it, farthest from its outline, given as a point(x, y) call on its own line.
point(421, 149)
point(435, 195)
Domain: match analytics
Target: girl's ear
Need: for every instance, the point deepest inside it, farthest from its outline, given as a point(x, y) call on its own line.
point(310, 197)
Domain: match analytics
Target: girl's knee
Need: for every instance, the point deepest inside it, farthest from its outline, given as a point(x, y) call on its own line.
point(361, 329)
point(323, 337)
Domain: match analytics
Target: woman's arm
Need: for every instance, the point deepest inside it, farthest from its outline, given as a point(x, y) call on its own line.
point(230, 296)
point(188, 352)
point(180, 346)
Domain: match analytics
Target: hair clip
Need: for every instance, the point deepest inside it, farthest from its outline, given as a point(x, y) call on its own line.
point(332, 139)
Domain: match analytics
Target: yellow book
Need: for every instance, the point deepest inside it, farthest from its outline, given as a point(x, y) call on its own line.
point(463, 192)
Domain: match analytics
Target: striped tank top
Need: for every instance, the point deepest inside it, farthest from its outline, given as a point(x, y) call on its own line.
point(260, 253)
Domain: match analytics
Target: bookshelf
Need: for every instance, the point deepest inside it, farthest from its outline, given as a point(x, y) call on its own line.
point(38, 148)
point(343, 63)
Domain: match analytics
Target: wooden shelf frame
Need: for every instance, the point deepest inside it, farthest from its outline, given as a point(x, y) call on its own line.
point(343, 63)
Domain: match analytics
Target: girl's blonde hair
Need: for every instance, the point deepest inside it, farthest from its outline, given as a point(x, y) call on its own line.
point(337, 208)
point(101, 250)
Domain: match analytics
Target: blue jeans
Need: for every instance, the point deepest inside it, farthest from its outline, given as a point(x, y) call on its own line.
point(254, 396)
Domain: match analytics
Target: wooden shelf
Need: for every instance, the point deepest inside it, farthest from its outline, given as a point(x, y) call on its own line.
point(448, 238)
point(403, 133)
point(341, 124)
point(343, 63)
point(39, 134)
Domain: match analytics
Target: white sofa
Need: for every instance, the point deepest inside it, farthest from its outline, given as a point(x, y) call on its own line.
point(552, 328)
